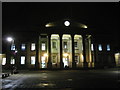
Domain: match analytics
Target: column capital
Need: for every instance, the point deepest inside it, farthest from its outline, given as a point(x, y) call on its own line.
point(60, 35)
point(48, 35)
point(73, 35)
point(84, 35)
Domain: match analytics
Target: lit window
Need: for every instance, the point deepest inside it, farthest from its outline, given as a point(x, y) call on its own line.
point(3, 61)
point(54, 59)
point(108, 47)
point(22, 59)
point(33, 46)
point(100, 47)
point(12, 60)
point(92, 47)
point(54, 44)
point(77, 59)
point(75, 43)
point(32, 59)
point(43, 46)
point(13, 47)
point(43, 61)
point(65, 45)
point(23, 47)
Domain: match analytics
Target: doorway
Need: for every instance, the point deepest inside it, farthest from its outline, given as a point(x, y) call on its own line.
point(43, 60)
point(66, 61)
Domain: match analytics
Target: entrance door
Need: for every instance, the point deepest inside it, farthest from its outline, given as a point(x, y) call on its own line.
point(65, 61)
point(43, 59)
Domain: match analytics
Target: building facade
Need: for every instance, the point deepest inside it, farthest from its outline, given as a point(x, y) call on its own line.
point(59, 45)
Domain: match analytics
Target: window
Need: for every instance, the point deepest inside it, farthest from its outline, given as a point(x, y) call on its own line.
point(54, 59)
point(54, 44)
point(65, 45)
point(22, 59)
point(108, 47)
point(32, 59)
point(23, 47)
point(33, 46)
point(76, 59)
point(100, 47)
point(43, 46)
point(13, 47)
point(92, 47)
point(12, 60)
point(75, 43)
point(3, 61)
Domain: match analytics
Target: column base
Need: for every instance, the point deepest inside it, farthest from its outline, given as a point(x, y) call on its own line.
point(37, 66)
point(49, 65)
point(85, 65)
point(61, 65)
point(73, 65)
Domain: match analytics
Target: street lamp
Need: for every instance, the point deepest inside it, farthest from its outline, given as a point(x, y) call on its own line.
point(10, 39)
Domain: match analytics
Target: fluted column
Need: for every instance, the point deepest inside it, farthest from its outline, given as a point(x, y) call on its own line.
point(61, 54)
point(73, 52)
point(85, 64)
point(49, 64)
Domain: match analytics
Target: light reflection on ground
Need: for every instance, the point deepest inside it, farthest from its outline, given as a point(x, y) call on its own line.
point(46, 85)
point(62, 79)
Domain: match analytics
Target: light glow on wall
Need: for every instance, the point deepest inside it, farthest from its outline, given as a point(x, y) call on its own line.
point(45, 54)
point(65, 54)
point(85, 26)
point(49, 25)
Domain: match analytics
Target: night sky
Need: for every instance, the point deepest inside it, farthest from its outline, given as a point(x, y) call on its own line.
point(28, 17)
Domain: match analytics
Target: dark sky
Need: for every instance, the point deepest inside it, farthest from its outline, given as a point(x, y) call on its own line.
point(103, 17)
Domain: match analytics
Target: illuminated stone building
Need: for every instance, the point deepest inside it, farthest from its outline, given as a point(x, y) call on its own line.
point(62, 44)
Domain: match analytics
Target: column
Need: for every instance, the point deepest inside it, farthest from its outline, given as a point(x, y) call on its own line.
point(73, 52)
point(8, 57)
point(85, 64)
point(95, 55)
point(61, 54)
point(17, 56)
point(37, 53)
point(49, 64)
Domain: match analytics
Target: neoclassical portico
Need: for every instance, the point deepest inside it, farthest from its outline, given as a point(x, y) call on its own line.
point(64, 50)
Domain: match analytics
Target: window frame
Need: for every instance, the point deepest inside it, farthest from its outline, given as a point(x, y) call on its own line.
point(31, 60)
point(24, 59)
point(24, 46)
point(43, 45)
point(100, 48)
point(33, 45)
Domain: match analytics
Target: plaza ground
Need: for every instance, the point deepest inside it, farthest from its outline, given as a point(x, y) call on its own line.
point(63, 79)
